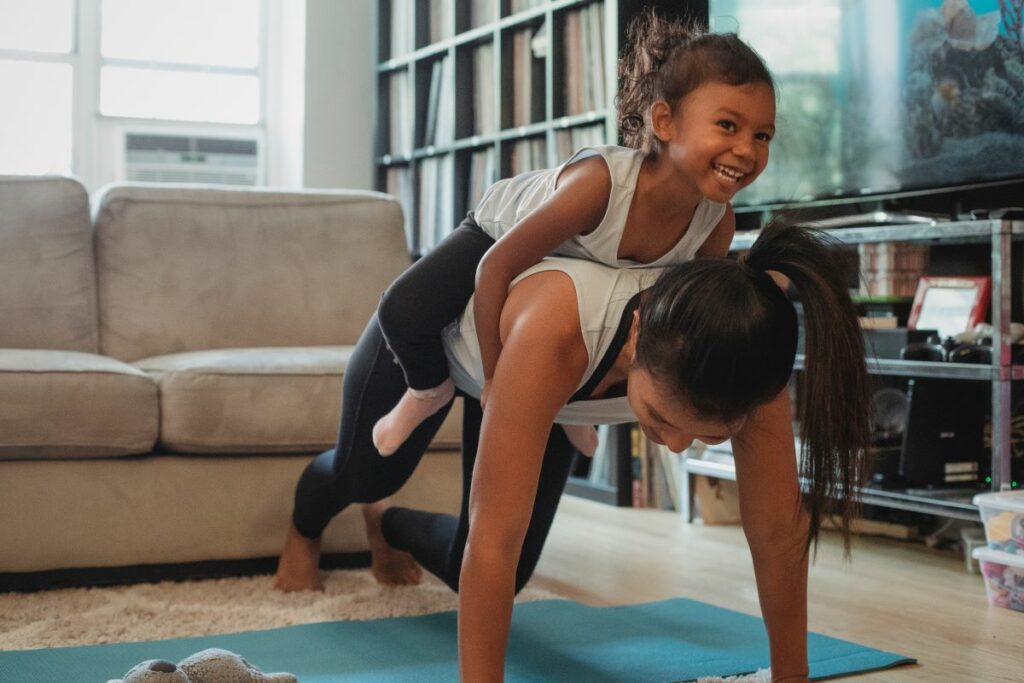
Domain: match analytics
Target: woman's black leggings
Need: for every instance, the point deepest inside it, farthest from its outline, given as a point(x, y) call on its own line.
point(424, 299)
point(354, 472)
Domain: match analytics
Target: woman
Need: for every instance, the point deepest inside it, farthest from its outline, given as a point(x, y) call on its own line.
point(706, 352)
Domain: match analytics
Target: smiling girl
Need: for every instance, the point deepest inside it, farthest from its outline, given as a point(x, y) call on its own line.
point(697, 113)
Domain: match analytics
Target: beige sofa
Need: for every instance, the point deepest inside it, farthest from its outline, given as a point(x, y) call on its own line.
point(170, 361)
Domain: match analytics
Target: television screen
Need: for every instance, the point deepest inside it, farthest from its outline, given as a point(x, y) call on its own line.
point(884, 97)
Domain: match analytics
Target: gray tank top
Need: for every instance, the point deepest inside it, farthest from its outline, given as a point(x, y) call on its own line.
point(510, 200)
point(603, 296)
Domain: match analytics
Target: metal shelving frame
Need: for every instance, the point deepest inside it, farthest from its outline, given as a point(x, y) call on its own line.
point(1000, 234)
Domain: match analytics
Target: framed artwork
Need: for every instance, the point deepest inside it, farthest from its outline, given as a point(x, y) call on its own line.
point(950, 305)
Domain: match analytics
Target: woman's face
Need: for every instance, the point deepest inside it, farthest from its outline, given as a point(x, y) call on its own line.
point(667, 421)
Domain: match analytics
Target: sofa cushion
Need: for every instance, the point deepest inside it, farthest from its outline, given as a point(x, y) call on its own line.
point(176, 508)
point(67, 404)
point(258, 400)
point(47, 272)
point(192, 268)
point(254, 400)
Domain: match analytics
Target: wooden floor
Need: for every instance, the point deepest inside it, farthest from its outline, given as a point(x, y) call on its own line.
point(893, 596)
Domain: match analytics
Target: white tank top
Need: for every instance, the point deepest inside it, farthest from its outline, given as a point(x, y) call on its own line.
point(604, 295)
point(510, 200)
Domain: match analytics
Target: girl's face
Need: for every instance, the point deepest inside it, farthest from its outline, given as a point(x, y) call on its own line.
point(665, 420)
point(718, 136)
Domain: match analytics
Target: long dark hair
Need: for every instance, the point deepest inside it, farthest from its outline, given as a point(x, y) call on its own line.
point(722, 335)
point(666, 59)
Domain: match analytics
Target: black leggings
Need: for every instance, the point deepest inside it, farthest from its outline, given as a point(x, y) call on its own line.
point(417, 307)
point(354, 472)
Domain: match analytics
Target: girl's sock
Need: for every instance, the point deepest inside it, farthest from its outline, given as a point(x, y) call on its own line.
point(415, 406)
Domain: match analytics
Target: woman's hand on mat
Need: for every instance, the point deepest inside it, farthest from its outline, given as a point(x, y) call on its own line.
point(791, 679)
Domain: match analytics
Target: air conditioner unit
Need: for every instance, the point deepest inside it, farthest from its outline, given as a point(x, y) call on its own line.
point(159, 158)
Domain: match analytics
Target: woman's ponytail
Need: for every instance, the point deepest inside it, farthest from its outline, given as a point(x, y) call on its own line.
point(834, 401)
point(722, 336)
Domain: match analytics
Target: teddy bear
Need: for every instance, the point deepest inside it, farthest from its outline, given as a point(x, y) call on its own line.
point(208, 666)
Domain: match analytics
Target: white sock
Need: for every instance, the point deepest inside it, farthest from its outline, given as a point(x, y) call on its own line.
point(415, 406)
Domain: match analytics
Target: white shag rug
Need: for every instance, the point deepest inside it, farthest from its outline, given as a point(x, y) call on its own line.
point(91, 616)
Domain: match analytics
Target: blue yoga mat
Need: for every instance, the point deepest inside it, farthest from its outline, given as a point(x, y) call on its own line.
point(551, 640)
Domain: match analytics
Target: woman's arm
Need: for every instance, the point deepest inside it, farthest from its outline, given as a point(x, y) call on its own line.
point(576, 207)
point(541, 365)
point(775, 524)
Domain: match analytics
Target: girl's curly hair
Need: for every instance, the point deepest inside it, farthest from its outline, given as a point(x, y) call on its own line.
point(666, 59)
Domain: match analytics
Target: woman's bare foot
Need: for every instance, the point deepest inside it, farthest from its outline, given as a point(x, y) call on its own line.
point(299, 566)
point(390, 567)
point(412, 409)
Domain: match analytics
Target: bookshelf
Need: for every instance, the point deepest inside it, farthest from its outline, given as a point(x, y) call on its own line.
point(471, 91)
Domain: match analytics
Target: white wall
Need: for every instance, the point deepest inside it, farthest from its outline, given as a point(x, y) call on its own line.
point(339, 119)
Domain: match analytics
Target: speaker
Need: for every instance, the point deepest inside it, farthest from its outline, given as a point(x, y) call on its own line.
point(889, 408)
point(944, 440)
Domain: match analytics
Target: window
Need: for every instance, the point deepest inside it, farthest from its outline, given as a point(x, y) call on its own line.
point(74, 71)
point(188, 60)
point(36, 56)
point(44, 26)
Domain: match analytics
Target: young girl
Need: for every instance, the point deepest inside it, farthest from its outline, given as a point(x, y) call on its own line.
point(697, 111)
point(706, 352)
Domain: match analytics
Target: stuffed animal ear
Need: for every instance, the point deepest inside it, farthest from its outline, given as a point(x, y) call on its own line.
point(217, 664)
point(212, 663)
point(154, 671)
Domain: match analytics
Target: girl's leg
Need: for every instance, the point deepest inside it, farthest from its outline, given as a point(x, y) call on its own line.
point(437, 541)
point(424, 299)
point(353, 471)
point(413, 312)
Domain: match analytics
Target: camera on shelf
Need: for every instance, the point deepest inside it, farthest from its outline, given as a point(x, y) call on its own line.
point(974, 346)
point(938, 350)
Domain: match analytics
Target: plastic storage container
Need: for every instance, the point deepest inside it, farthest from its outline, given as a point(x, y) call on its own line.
point(1004, 578)
point(1003, 515)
